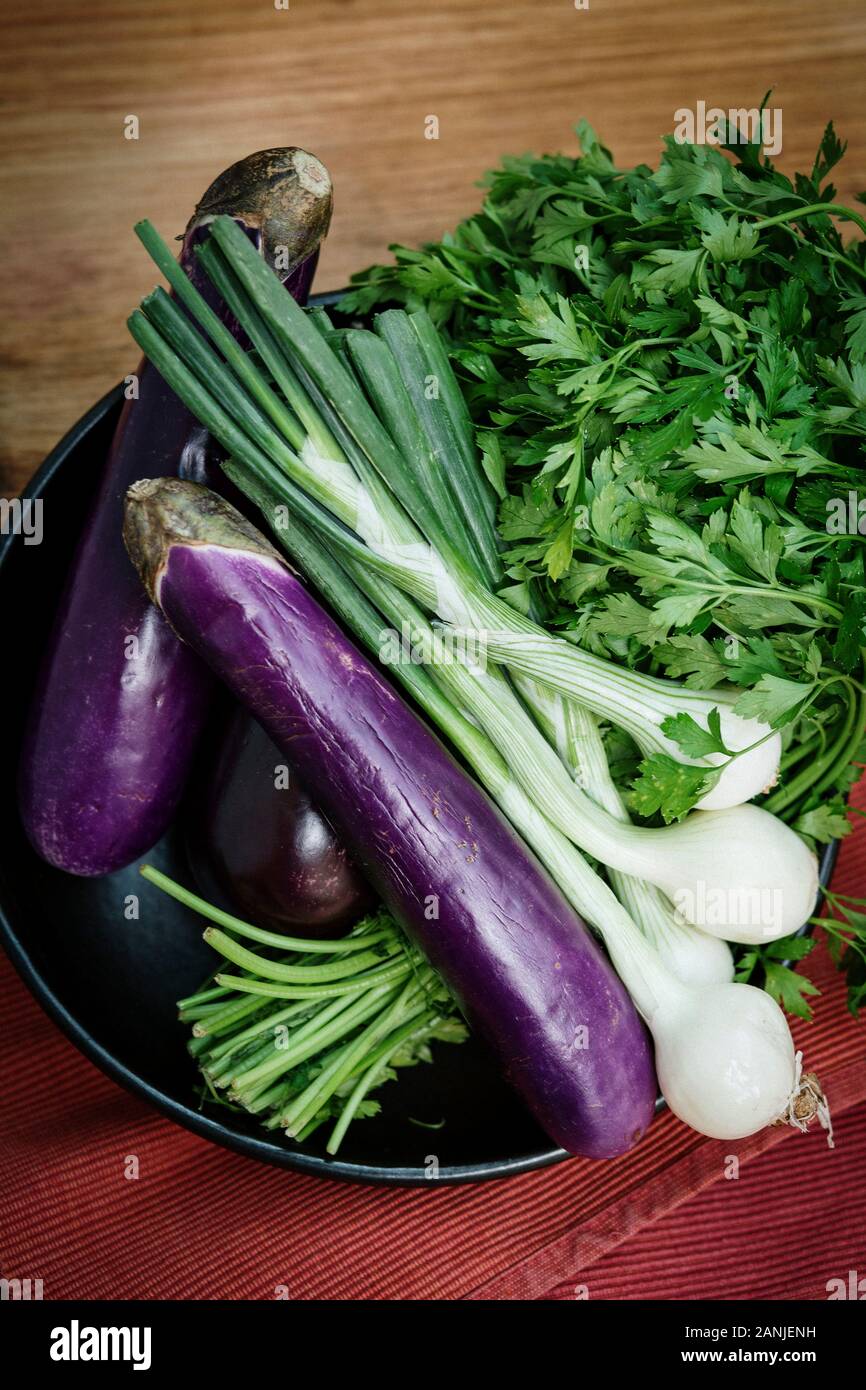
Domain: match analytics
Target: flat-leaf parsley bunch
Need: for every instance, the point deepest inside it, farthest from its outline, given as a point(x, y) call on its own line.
point(667, 372)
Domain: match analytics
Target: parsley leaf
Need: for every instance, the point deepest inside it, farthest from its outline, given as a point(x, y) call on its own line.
point(695, 741)
point(670, 787)
point(772, 699)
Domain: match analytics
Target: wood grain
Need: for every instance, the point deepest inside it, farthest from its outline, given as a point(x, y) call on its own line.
point(351, 80)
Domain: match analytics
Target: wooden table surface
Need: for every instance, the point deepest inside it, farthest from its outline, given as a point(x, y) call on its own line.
point(351, 80)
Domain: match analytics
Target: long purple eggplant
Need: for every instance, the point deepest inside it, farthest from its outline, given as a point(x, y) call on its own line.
point(525, 969)
point(120, 702)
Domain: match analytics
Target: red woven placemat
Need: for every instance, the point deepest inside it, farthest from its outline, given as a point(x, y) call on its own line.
point(199, 1222)
point(791, 1226)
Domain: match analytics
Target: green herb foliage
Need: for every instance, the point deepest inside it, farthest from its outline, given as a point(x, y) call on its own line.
point(666, 369)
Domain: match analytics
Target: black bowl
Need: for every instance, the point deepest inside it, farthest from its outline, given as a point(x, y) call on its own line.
point(111, 983)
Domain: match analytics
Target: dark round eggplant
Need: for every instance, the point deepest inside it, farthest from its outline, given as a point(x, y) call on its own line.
point(257, 841)
point(120, 703)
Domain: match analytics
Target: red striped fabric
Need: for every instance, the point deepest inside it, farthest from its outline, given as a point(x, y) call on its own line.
point(792, 1224)
point(201, 1223)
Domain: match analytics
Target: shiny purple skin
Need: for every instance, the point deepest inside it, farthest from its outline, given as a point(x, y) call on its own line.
point(120, 703)
point(533, 981)
point(265, 849)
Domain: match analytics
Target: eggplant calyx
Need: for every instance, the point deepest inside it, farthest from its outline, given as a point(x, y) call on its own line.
point(284, 194)
point(162, 512)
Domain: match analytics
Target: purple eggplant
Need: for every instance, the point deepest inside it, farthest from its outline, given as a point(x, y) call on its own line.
point(120, 702)
point(257, 841)
point(524, 968)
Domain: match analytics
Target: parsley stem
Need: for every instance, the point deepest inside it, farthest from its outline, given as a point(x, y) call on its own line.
point(795, 754)
point(848, 753)
point(816, 775)
point(323, 1029)
point(310, 1050)
point(794, 215)
point(415, 1027)
point(342, 968)
point(841, 259)
point(725, 590)
point(276, 989)
point(356, 941)
point(223, 1051)
point(234, 1011)
point(304, 1106)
